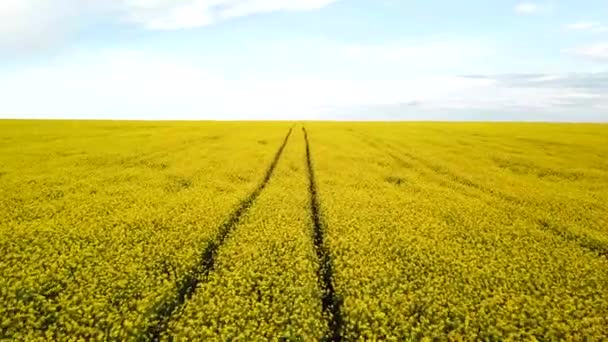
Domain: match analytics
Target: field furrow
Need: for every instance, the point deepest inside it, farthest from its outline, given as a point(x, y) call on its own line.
point(334, 231)
point(585, 236)
point(161, 313)
point(264, 283)
point(414, 259)
point(332, 303)
point(88, 252)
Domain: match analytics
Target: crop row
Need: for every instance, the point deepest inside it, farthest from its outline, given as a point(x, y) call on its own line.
point(577, 216)
point(370, 231)
point(88, 249)
point(264, 285)
point(417, 259)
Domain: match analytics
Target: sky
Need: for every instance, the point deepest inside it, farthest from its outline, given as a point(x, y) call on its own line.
point(481, 60)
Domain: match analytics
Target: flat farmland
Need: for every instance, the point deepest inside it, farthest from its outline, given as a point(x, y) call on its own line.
point(303, 231)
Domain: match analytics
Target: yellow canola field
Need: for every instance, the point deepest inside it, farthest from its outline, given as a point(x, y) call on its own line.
point(207, 231)
point(99, 221)
point(555, 174)
point(264, 285)
point(432, 240)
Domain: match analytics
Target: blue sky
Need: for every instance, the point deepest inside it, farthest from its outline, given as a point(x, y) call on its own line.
point(304, 59)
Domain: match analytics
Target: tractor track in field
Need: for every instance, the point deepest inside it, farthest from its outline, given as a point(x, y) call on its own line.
point(589, 244)
point(162, 313)
point(443, 171)
point(331, 302)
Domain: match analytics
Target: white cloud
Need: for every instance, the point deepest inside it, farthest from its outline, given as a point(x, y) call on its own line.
point(137, 85)
point(597, 52)
point(527, 8)
point(180, 14)
point(131, 84)
point(588, 26)
point(583, 25)
point(33, 24)
point(525, 97)
point(430, 53)
point(36, 24)
point(530, 99)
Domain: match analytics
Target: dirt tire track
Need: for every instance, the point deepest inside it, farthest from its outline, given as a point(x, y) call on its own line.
point(162, 313)
point(332, 303)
